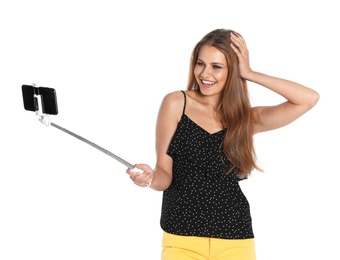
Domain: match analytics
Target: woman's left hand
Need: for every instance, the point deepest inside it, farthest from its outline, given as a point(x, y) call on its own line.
point(240, 48)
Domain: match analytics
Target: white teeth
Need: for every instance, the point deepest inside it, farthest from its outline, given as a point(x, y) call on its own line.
point(208, 82)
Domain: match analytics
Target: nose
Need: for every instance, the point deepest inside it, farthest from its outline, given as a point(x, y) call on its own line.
point(206, 71)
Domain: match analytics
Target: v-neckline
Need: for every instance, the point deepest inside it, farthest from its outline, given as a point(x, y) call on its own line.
point(214, 133)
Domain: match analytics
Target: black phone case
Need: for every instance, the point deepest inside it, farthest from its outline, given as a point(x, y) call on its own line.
point(28, 96)
point(48, 100)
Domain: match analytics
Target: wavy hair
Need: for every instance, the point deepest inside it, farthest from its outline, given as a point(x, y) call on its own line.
point(234, 105)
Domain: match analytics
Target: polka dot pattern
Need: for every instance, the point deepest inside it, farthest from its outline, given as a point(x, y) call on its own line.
point(202, 199)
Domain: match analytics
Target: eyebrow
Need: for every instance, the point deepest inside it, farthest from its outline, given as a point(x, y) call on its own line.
point(214, 63)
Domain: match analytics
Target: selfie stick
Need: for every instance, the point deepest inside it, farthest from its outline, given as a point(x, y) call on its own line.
point(130, 166)
point(32, 96)
point(43, 118)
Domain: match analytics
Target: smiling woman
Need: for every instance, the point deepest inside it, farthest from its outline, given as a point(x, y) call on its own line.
point(111, 63)
point(204, 146)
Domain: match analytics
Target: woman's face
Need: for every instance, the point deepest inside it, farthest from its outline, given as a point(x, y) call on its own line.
point(211, 70)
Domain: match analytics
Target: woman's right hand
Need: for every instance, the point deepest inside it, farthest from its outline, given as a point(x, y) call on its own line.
point(143, 176)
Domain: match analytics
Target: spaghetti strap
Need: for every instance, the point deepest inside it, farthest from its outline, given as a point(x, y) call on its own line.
point(185, 101)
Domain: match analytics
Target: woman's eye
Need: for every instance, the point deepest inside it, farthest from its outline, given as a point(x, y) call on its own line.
point(199, 63)
point(217, 67)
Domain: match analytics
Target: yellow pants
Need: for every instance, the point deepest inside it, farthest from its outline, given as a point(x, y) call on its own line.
point(204, 248)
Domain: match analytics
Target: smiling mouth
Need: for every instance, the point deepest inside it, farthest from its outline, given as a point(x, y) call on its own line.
point(210, 83)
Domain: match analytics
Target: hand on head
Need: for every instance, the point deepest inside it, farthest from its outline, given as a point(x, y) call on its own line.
point(240, 48)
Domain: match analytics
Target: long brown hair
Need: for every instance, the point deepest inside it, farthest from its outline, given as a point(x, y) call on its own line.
point(234, 105)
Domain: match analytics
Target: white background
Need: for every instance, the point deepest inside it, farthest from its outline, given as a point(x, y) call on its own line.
point(111, 63)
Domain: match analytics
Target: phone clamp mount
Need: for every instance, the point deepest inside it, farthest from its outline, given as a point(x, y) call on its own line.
point(42, 117)
point(43, 101)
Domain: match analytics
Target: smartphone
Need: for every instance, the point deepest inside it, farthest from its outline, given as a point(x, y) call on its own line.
point(48, 98)
point(30, 101)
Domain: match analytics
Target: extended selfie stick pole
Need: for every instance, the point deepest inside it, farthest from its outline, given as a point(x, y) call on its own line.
point(46, 121)
point(130, 166)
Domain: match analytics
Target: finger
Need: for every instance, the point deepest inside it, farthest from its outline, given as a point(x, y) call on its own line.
point(133, 177)
point(237, 37)
point(235, 45)
point(235, 48)
point(238, 41)
point(237, 51)
point(144, 167)
point(144, 179)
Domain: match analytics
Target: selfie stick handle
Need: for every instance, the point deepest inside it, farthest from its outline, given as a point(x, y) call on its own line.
point(129, 165)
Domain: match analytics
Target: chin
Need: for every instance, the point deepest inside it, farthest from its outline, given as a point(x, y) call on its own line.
point(206, 89)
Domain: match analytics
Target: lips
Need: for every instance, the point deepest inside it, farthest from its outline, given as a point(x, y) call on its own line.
point(205, 82)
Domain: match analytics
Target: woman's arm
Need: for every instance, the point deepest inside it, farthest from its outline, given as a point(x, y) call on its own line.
point(168, 117)
point(299, 98)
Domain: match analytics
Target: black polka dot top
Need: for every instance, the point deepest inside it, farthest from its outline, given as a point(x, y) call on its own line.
point(202, 199)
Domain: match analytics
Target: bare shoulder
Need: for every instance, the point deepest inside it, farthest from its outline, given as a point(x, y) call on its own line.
point(171, 109)
point(174, 98)
point(173, 103)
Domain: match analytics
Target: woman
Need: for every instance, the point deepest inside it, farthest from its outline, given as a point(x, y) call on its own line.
point(204, 147)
